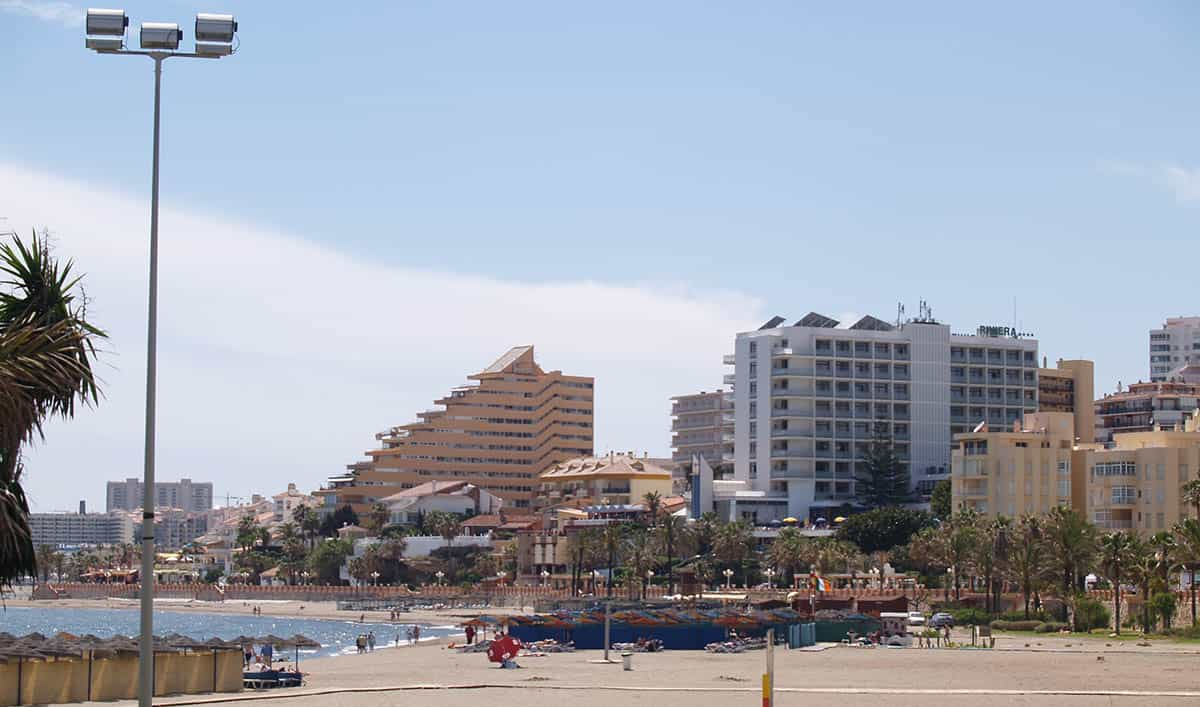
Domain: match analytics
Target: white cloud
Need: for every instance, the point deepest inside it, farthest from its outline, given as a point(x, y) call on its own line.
point(1182, 182)
point(280, 358)
point(63, 13)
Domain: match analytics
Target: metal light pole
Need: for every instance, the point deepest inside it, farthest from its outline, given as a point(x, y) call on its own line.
point(105, 30)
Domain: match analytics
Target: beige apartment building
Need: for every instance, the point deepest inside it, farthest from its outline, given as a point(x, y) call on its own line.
point(514, 421)
point(1025, 470)
point(702, 423)
point(1131, 483)
point(615, 479)
point(1146, 406)
point(1070, 387)
point(1135, 483)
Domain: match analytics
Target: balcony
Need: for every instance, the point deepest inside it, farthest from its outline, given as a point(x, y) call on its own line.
point(729, 359)
point(781, 351)
point(729, 378)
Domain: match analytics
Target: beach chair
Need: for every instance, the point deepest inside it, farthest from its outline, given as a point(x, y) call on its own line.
point(262, 680)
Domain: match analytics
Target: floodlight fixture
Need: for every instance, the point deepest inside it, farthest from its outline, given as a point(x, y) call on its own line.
point(105, 44)
point(215, 28)
point(161, 35)
point(214, 49)
point(108, 23)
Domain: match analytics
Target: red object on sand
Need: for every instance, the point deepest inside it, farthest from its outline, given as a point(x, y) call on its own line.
point(503, 648)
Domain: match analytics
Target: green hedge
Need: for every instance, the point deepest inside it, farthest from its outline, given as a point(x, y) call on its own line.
point(1001, 625)
point(1050, 627)
point(970, 617)
point(1019, 615)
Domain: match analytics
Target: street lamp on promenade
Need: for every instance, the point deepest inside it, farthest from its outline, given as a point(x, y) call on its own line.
point(728, 577)
point(105, 33)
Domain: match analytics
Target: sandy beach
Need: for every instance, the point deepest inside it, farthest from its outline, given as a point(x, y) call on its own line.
point(1023, 670)
point(1051, 671)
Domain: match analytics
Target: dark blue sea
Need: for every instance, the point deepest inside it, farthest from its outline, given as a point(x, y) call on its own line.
point(335, 637)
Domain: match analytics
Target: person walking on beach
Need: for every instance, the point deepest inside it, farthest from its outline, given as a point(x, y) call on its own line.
point(360, 642)
point(371, 641)
point(268, 652)
point(247, 654)
point(416, 633)
point(470, 634)
point(410, 635)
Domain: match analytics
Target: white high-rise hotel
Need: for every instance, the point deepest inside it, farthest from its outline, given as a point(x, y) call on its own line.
point(809, 397)
point(1175, 345)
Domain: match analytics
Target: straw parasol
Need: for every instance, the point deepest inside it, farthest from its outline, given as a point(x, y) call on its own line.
point(301, 641)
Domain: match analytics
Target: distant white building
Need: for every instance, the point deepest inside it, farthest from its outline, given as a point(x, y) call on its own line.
point(67, 529)
point(1174, 346)
point(410, 505)
point(185, 494)
point(287, 502)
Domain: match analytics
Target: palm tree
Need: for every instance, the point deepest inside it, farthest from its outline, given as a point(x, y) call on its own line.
point(991, 553)
point(653, 503)
point(642, 556)
point(1143, 571)
point(951, 545)
point(582, 548)
point(788, 552)
point(733, 545)
point(1115, 559)
point(45, 558)
point(308, 521)
point(672, 532)
point(1163, 543)
point(247, 532)
point(1187, 543)
point(1191, 495)
point(1071, 540)
point(47, 348)
point(447, 525)
point(1027, 560)
point(612, 538)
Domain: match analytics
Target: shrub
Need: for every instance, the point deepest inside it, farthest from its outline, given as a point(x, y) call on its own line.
point(970, 617)
point(1187, 632)
point(1019, 615)
point(1050, 627)
point(1001, 625)
point(1090, 614)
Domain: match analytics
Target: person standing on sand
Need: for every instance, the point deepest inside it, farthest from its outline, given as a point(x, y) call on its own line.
point(371, 641)
point(416, 633)
point(470, 634)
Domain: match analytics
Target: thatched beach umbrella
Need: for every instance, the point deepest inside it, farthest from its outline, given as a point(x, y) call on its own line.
point(301, 641)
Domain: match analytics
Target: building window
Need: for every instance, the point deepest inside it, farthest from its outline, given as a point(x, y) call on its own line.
point(753, 348)
point(753, 369)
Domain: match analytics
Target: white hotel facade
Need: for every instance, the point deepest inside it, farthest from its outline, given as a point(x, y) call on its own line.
point(809, 398)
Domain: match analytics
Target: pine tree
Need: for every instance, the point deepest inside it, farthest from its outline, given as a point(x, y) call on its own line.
point(883, 480)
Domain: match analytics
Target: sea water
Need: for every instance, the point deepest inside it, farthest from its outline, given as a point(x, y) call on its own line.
point(335, 636)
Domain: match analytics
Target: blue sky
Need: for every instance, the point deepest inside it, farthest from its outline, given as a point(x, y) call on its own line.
point(741, 159)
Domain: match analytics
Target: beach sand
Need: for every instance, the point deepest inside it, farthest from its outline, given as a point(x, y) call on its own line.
point(1032, 664)
point(702, 679)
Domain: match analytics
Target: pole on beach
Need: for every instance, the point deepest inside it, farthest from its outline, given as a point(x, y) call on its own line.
point(768, 678)
point(607, 626)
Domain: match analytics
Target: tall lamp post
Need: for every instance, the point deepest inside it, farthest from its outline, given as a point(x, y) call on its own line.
point(105, 33)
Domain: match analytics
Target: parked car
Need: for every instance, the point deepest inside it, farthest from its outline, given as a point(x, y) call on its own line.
point(941, 619)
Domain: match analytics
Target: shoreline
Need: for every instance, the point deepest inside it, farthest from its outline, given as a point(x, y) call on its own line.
point(275, 608)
